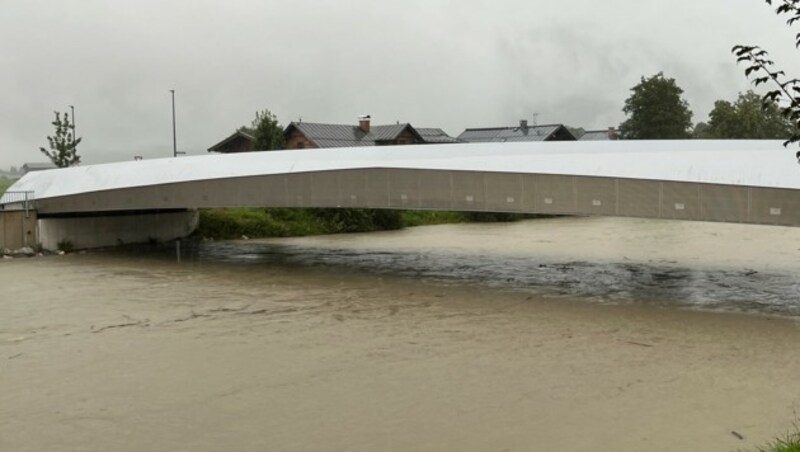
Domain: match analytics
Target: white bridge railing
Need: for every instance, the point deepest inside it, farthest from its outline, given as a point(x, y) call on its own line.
point(18, 200)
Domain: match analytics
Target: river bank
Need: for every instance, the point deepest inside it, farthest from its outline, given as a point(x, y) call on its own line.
point(231, 350)
point(234, 223)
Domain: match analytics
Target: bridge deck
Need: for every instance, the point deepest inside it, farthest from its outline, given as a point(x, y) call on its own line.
point(732, 181)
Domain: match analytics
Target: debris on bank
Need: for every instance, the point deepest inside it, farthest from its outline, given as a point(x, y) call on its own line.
point(27, 251)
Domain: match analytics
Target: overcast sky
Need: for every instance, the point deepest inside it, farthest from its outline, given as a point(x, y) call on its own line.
point(433, 63)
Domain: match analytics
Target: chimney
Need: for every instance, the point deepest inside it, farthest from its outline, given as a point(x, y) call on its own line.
point(612, 133)
point(363, 123)
point(523, 124)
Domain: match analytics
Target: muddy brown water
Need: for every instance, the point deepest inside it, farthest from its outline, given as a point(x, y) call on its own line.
point(709, 266)
point(563, 334)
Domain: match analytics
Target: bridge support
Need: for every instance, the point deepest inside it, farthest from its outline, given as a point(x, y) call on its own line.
point(97, 230)
point(17, 229)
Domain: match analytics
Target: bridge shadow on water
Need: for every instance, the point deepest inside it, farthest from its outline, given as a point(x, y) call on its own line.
point(657, 283)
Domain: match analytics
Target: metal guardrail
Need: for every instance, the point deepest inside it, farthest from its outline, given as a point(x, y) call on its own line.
point(18, 200)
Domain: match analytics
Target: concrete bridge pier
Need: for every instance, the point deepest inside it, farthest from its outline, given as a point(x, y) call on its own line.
point(101, 229)
point(17, 229)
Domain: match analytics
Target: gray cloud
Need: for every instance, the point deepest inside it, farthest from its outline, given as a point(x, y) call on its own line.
point(446, 63)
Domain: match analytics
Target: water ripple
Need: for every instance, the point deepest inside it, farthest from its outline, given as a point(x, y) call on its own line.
point(658, 283)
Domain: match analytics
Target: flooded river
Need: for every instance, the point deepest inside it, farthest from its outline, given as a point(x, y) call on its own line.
point(576, 334)
point(712, 266)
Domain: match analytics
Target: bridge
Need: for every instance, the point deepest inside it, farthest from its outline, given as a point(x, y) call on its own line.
point(755, 182)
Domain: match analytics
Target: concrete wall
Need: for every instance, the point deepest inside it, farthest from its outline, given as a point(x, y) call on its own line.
point(100, 231)
point(17, 229)
point(458, 190)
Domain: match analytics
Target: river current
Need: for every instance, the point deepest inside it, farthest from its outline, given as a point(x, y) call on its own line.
point(710, 266)
point(577, 334)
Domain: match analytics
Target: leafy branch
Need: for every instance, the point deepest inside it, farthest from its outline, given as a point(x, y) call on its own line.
point(759, 64)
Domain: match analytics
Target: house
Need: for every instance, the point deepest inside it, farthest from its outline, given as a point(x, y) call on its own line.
point(28, 167)
point(309, 135)
point(304, 135)
point(435, 136)
point(599, 135)
point(521, 133)
point(239, 141)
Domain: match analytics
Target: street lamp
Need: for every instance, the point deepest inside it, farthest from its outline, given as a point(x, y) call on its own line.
point(175, 152)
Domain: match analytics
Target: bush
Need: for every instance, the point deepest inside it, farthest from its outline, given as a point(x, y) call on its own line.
point(492, 217)
point(410, 218)
point(65, 246)
point(387, 220)
point(234, 223)
point(283, 222)
point(290, 222)
point(359, 220)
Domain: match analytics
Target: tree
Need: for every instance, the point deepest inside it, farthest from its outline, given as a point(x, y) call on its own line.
point(63, 152)
point(787, 94)
point(266, 130)
point(748, 118)
point(701, 131)
point(656, 110)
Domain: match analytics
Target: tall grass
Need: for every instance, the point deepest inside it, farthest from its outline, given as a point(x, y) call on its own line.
point(789, 442)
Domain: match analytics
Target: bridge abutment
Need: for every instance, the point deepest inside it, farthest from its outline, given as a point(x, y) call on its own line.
point(17, 229)
point(97, 230)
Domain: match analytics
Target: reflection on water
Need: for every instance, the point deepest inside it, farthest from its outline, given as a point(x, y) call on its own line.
point(708, 268)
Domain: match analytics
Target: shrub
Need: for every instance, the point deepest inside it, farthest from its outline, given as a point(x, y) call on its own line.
point(65, 246)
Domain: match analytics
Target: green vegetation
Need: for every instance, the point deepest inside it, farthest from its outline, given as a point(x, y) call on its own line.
point(236, 222)
point(656, 111)
point(4, 184)
point(254, 222)
point(747, 118)
point(267, 131)
point(786, 90)
point(429, 217)
point(63, 145)
point(65, 246)
point(790, 442)
point(282, 222)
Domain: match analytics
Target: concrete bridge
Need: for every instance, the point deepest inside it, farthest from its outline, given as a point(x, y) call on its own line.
point(756, 182)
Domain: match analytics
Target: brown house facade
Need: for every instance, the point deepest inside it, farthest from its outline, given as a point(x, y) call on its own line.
point(239, 141)
point(600, 135)
point(305, 135)
point(310, 135)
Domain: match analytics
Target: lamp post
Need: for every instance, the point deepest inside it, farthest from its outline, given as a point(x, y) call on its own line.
point(175, 152)
point(174, 136)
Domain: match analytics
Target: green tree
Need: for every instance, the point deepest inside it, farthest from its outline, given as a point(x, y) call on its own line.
point(748, 118)
point(757, 59)
point(656, 110)
point(701, 131)
point(63, 152)
point(266, 130)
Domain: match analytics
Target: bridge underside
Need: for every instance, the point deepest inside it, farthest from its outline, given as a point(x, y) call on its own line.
point(395, 188)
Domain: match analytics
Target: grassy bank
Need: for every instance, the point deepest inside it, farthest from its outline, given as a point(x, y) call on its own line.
point(253, 222)
point(256, 223)
point(5, 183)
